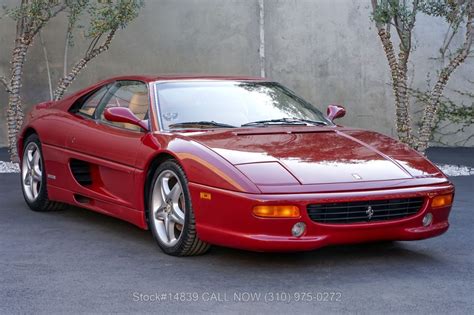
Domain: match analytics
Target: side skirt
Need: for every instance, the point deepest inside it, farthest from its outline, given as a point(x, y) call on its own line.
point(133, 216)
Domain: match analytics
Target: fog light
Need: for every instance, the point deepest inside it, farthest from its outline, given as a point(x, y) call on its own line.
point(277, 211)
point(298, 229)
point(427, 219)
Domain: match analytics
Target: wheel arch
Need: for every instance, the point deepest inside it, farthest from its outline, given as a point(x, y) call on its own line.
point(155, 162)
point(20, 142)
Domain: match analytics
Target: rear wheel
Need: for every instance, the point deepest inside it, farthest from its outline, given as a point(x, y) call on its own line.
point(33, 177)
point(170, 213)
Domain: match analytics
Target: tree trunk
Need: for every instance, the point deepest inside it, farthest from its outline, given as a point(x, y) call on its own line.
point(27, 27)
point(15, 109)
point(429, 115)
point(430, 112)
point(398, 73)
point(403, 107)
point(48, 70)
point(5, 83)
point(66, 81)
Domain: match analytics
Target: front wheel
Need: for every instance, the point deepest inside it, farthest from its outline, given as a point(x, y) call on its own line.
point(170, 212)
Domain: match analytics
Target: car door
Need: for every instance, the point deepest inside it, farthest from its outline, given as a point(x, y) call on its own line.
point(103, 153)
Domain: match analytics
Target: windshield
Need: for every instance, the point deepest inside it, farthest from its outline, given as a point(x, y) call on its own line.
point(230, 104)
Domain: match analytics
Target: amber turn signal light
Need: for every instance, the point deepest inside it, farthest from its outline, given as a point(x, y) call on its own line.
point(442, 201)
point(277, 211)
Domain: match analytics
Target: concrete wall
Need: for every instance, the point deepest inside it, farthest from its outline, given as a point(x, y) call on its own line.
point(326, 50)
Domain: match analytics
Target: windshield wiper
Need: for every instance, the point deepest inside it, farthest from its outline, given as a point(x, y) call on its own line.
point(286, 121)
point(200, 124)
point(314, 122)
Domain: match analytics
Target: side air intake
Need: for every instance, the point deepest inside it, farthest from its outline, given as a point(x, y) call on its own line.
point(81, 171)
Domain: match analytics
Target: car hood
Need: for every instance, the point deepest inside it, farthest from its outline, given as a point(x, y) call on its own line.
point(316, 155)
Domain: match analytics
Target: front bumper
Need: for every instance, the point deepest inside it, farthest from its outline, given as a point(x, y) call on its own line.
point(225, 218)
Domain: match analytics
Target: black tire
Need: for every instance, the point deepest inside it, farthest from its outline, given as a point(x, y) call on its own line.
point(188, 243)
point(42, 202)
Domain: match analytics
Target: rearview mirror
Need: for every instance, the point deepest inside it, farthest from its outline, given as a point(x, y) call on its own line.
point(124, 115)
point(335, 111)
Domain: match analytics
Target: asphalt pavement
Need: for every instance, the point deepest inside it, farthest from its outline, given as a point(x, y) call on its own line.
point(78, 261)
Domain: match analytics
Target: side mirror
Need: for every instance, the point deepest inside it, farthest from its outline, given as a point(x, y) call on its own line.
point(124, 115)
point(335, 111)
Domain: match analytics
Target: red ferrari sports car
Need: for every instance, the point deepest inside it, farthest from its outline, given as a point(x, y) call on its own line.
point(232, 161)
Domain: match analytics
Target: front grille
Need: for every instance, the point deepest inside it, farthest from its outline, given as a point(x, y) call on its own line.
point(364, 211)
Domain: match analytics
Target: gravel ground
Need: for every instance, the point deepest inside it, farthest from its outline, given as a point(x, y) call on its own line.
point(81, 262)
point(9, 167)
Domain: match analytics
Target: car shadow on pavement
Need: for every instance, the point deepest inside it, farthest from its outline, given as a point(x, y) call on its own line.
point(332, 255)
point(340, 254)
point(110, 233)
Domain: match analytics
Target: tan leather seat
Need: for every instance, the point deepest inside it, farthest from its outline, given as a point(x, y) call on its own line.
point(89, 111)
point(139, 105)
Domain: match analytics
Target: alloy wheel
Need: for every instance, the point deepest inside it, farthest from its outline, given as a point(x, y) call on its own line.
point(32, 172)
point(168, 207)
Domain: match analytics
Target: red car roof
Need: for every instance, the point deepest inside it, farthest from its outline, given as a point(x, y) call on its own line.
point(65, 103)
point(174, 77)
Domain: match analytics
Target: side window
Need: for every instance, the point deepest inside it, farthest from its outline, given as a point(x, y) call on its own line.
point(89, 106)
point(131, 94)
